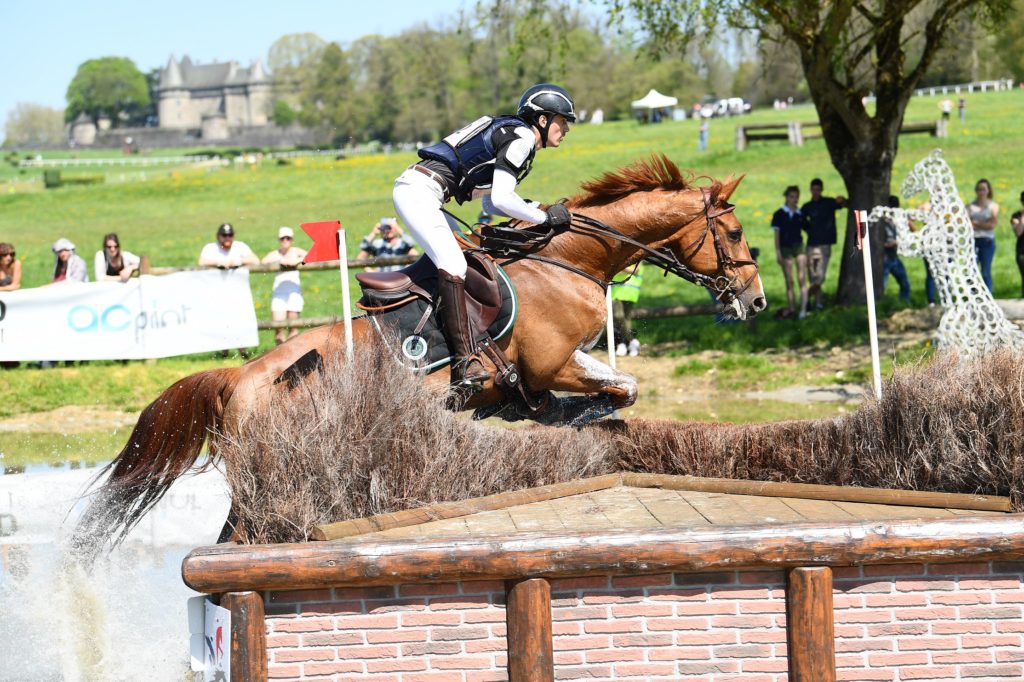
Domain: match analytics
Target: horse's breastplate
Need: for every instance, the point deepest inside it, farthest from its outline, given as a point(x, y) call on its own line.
point(471, 151)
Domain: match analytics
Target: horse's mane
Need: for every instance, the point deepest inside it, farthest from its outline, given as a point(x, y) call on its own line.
point(658, 172)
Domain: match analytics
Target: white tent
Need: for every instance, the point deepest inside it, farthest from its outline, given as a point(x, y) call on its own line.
point(655, 100)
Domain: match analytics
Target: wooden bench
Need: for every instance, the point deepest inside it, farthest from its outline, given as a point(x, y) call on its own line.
point(799, 131)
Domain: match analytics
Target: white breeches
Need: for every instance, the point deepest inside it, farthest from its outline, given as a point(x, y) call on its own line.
point(418, 201)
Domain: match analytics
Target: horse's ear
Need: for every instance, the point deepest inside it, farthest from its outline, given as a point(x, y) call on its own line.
point(729, 186)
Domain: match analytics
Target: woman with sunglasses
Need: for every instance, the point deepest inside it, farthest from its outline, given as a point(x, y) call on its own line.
point(286, 298)
point(112, 264)
point(10, 268)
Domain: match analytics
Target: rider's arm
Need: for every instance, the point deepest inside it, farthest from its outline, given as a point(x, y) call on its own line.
point(505, 201)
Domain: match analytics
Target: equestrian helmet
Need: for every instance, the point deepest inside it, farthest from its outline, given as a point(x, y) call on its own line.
point(545, 98)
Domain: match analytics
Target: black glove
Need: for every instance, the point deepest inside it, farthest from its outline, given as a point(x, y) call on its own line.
point(558, 216)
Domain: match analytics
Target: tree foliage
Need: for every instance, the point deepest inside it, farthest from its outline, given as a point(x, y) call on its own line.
point(33, 124)
point(111, 86)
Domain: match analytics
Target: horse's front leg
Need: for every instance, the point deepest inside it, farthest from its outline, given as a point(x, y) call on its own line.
point(585, 374)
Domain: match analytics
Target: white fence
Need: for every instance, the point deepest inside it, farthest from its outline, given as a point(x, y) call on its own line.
point(980, 86)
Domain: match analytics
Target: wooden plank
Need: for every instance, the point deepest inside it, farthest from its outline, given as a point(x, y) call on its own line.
point(670, 509)
point(248, 636)
point(810, 625)
point(528, 616)
point(313, 565)
point(818, 510)
point(448, 510)
point(907, 498)
point(878, 512)
point(768, 510)
point(624, 510)
point(720, 510)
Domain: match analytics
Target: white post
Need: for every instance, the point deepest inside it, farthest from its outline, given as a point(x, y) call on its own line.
point(869, 288)
point(610, 332)
point(346, 304)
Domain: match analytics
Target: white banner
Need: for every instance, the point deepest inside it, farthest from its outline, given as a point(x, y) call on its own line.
point(145, 317)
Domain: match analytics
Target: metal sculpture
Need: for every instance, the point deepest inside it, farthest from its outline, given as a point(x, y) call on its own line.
point(972, 322)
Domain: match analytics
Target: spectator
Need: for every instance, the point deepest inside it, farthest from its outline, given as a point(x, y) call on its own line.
point(821, 235)
point(286, 298)
point(947, 108)
point(68, 266)
point(789, 223)
point(961, 106)
point(112, 264)
point(1016, 222)
point(226, 252)
point(702, 136)
point(892, 263)
point(624, 299)
point(984, 215)
point(386, 239)
point(10, 268)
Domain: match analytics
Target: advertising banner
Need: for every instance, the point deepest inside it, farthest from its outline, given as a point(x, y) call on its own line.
point(145, 317)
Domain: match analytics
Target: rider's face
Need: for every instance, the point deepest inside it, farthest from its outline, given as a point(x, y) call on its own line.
point(558, 130)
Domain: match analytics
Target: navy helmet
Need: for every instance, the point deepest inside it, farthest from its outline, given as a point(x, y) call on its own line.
point(545, 98)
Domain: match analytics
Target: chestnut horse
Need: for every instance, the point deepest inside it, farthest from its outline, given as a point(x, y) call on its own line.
point(647, 205)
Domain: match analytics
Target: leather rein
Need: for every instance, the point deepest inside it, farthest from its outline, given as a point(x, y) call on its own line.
point(512, 244)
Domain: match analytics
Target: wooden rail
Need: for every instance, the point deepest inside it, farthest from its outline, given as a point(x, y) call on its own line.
point(518, 556)
point(795, 131)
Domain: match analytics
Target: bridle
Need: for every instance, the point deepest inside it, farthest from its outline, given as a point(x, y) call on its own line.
point(510, 244)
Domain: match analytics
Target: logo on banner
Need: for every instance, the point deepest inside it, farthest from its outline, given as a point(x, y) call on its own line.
point(117, 318)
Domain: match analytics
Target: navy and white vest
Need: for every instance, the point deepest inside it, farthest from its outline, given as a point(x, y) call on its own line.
point(473, 152)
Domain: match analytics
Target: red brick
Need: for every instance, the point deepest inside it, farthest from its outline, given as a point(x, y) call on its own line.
point(424, 648)
point(591, 583)
point(645, 610)
point(396, 635)
point(656, 580)
point(848, 646)
point(601, 598)
point(429, 590)
point(486, 676)
point(917, 658)
point(577, 643)
point(741, 593)
point(612, 626)
point(1009, 567)
point(865, 675)
point(762, 636)
point(1009, 656)
point(277, 672)
point(961, 598)
point(989, 584)
point(613, 655)
point(896, 629)
point(485, 616)
point(433, 677)
point(374, 622)
point(332, 638)
point(644, 669)
point(710, 667)
point(276, 641)
point(863, 586)
point(642, 640)
point(584, 672)
point(762, 607)
point(847, 601)
point(702, 579)
point(677, 594)
point(419, 619)
point(724, 608)
point(479, 601)
point(979, 656)
point(1000, 670)
point(743, 651)
point(972, 568)
point(581, 613)
point(966, 627)
point(281, 611)
point(332, 668)
point(762, 578)
point(765, 666)
point(662, 624)
point(396, 605)
point(841, 572)
point(1010, 626)
point(568, 658)
point(333, 608)
point(460, 662)
point(927, 673)
point(926, 643)
point(1013, 596)
point(929, 613)
point(489, 645)
point(891, 570)
point(713, 637)
point(299, 596)
point(483, 587)
point(357, 593)
point(350, 652)
point(990, 641)
point(741, 622)
point(680, 653)
point(299, 655)
point(844, 660)
point(304, 625)
point(566, 628)
point(875, 601)
point(448, 634)
point(851, 630)
point(990, 612)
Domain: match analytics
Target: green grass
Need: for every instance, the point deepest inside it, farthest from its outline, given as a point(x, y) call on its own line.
point(171, 215)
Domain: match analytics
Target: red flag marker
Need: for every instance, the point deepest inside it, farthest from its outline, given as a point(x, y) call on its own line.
point(325, 240)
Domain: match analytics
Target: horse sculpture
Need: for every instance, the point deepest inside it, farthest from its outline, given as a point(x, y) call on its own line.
point(645, 209)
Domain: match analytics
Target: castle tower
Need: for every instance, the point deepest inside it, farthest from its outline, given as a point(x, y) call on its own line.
point(174, 106)
point(260, 95)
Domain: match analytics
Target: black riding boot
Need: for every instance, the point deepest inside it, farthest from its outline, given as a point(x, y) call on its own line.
point(467, 370)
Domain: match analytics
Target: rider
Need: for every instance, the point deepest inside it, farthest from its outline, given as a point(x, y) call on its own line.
point(487, 159)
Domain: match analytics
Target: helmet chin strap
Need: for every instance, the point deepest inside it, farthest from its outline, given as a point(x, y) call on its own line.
point(544, 131)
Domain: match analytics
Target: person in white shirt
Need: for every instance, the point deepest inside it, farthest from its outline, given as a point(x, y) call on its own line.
point(226, 252)
point(111, 264)
point(286, 299)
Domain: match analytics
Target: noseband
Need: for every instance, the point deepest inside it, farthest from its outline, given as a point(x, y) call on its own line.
point(512, 244)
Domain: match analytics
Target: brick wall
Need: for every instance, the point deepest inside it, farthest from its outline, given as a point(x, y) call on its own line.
point(908, 622)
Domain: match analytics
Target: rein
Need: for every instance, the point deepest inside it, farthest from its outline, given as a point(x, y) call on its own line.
point(512, 244)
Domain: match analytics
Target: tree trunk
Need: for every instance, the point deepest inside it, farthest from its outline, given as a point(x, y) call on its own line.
point(867, 186)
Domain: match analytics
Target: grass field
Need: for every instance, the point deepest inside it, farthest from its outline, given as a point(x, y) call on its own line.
point(172, 213)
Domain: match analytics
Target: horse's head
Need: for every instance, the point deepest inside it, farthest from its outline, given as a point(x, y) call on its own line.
point(712, 244)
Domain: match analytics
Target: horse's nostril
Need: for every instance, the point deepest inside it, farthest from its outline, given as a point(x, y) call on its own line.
point(759, 303)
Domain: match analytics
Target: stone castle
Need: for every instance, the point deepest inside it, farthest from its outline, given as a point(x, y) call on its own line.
point(213, 98)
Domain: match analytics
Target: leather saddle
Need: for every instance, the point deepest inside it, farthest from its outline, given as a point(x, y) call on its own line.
point(383, 291)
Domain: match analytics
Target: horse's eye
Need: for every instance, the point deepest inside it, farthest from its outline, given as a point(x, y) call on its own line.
point(736, 236)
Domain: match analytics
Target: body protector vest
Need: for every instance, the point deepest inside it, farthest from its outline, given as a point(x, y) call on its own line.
point(474, 151)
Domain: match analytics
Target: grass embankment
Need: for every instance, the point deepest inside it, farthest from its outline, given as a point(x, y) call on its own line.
point(170, 215)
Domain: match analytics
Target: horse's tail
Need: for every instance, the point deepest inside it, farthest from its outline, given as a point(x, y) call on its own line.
point(164, 444)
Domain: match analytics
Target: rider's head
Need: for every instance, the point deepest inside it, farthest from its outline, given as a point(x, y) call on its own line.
point(550, 110)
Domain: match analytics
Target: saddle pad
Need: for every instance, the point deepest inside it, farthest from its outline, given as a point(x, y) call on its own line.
point(428, 350)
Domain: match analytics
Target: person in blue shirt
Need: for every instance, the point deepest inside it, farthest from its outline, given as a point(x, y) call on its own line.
point(789, 224)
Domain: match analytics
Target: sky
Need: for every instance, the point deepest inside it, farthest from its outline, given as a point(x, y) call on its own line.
point(44, 42)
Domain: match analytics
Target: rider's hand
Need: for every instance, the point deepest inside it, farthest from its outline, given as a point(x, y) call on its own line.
point(558, 216)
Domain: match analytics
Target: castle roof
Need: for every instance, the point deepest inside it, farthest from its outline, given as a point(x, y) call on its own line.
point(189, 76)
